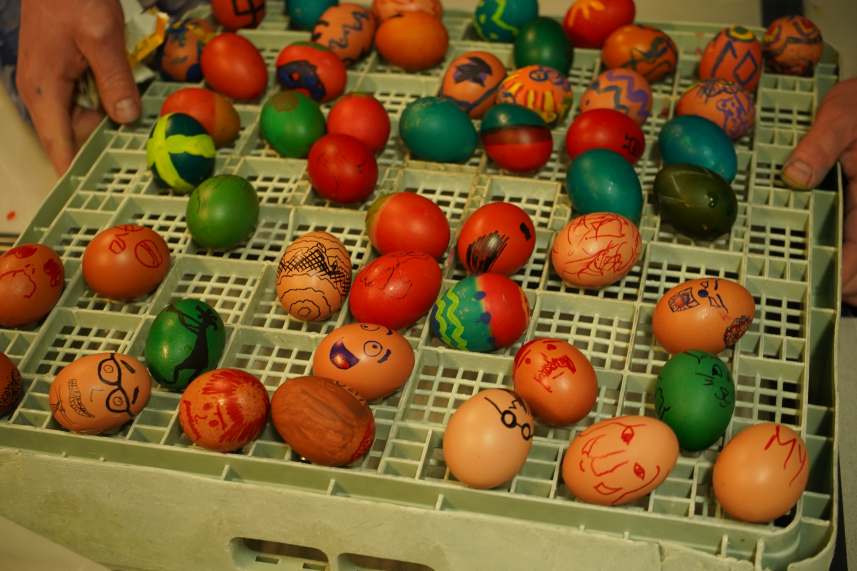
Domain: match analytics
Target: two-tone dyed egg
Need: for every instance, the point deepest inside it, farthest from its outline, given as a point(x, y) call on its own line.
point(541, 89)
point(516, 138)
point(471, 81)
point(180, 152)
point(722, 102)
point(213, 111)
point(182, 49)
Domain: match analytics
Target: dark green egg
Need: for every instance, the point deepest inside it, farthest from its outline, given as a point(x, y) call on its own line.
point(696, 201)
point(186, 339)
point(436, 129)
point(543, 42)
point(695, 396)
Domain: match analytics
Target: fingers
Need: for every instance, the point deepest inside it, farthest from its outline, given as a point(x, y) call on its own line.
point(83, 123)
point(48, 100)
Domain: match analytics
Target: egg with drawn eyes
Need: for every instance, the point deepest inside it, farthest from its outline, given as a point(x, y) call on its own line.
point(373, 360)
point(619, 460)
point(99, 393)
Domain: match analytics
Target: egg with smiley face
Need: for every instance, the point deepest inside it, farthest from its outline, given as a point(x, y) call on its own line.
point(373, 360)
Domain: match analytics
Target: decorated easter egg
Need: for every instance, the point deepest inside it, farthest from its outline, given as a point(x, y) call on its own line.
point(233, 66)
point(342, 169)
point(623, 90)
point(693, 140)
point(605, 129)
point(213, 111)
point(723, 103)
point(407, 221)
point(695, 396)
point(363, 117)
point(501, 20)
point(396, 289)
point(498, 237)
point(436, 129)
point(761, 473)
point(619, 460)
point(487, 439)
point(646, 50)
point(186, 339)
point(179, 152)
point(182, 49)
point(32, 278)
point(588, 23)
point(601, 180)
point(596, 250)
point(125, 261)
point(11, 389)
point(793, 45)
point(481, 313)
point(543, 42)
point(235, 14)
point(471, 81)
point(708, 314)
point(311, 69)
point(556, 380)
point(99, 393)
point(304, 14)
point(696, 201)
point(516, 138)
point(373, 360)
point(323, 421)
point(224, 409)
point(735, 55)
point(347, 30)
point(384, 9)
point(314, 276)
point(222, 212)
point(413, 41)
point(541, 89)
point(291, 122)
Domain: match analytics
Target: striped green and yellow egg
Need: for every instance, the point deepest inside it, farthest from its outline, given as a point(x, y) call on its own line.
point(501, 20)
point(180, 152)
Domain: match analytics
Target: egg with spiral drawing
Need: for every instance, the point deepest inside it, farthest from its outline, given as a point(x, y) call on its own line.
point(347, 30)
point(314, 276)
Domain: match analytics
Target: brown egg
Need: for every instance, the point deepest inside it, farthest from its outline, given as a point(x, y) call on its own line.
point(99, 393)
point(10, 385)
point(761, 473)
point(722, 102)
point(413, 41)
point(347, 30)
point(31, 281)
point(371, 359)
point(556, 380)
point(224, 409)
point(648, 51)
point(125, 261)
point(619, 460)
point(488, 438)
point(384, 9)
point(314, 276)
point(707, 314)
point(471, 81)
point(323, 420)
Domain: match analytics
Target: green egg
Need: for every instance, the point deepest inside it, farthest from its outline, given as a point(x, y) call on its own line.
point(436, 129)
point(291, 122)
point(695, 396)
point(600, 180)
point(222, 212)
point(501, 20)
point(696, 201)
point(543, 42)
point(186, 339)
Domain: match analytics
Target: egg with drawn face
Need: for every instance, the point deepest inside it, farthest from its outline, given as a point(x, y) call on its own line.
point(619, 460)
point(371, 359)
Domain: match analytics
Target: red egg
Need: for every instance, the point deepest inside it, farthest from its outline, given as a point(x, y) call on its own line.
point(497, 238)
point(347, 30)
point(587, 23)
point(235, 14)
point(735, 55)
point(396, 289)
point(407, 221)
point(648, 51)
point(31, 281)
point(605, 129)
point(234, 67)
point(212, 110)
point(125, 261)
point(311, 69)
point(342, 169)
point(363, 117)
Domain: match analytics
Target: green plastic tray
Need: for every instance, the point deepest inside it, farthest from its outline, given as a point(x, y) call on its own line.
point(146, 498)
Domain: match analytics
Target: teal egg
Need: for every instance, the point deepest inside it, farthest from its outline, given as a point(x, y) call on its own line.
point(543, 42)
point(694, 140)
point(304, 14)
point(180, 152)
point(501, 20)
point(436, 129)
point(601, 180)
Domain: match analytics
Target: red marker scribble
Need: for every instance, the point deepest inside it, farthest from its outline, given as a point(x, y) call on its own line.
point(11, 215)
point(607, 259)
point(147, 254)
point(54, 272)
point(791, 443)
point(22, 252)
point(28, 288)
point(191, 420)
point(226, 384)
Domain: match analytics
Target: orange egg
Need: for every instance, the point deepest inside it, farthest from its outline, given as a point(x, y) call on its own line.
point(722, 102)
point(346, 30)
point(761, 473)
point(371, 359)
point(99, 393)
point(471, 81)
point(384, 9)
point(556, 380)
point(538, 88)
point(793, 45)
point(10, 384)
point(735, 55)
point(648, 51)
point(31, 281)
point(212, 110)
point(125, 261)
point(619, 460)
point(413, 41)
point(707, 314)
point(623, 90)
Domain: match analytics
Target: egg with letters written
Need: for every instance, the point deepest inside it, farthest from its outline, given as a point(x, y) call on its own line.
point(32, 278)
point(734, 54)
point(619, 460)
point(346, 30)
point(10, 385)
point(722, 102)
point(213, 111)
point(648, 51)
point(471, 81)
point(793, 45)
point(125, 262)
point(498, 237)
point(605, 129)
point(623, 90)
point(539, 88)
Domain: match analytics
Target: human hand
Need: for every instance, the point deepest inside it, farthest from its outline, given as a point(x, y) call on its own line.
point(59, 40)
point(833, 137)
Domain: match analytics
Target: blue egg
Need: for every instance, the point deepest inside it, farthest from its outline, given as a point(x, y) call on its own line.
point(693, 140)
point(601, 180)
point(501, 20)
